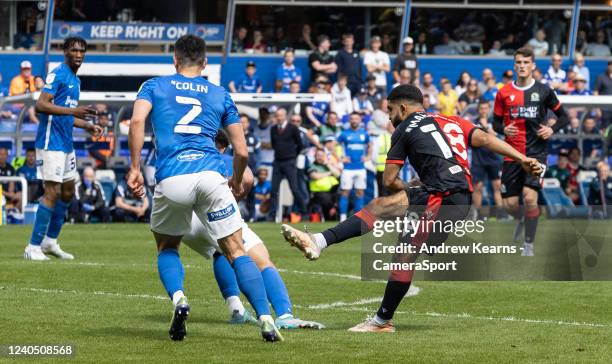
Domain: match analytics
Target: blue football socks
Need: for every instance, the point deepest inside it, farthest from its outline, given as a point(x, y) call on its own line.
point(277, 291)
point(171, 271)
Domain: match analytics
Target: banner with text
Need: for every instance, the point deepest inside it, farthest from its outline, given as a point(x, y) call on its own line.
point(141, 32)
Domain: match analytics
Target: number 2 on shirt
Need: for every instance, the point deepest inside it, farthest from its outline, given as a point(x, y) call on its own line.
point(182, 126)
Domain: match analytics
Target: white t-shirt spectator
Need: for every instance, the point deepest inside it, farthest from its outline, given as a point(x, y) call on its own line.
point(584, 71)
point(341, 101)
point(539, 48)
point(377, 59)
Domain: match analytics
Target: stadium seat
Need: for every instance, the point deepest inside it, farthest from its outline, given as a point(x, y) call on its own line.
point(105, 175)
point(584, 181)
point(85, 162)
point(558, 204)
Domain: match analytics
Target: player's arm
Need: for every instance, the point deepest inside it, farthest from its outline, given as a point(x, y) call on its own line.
point(93, 129)
point(391, 178)
point(552, 102)
point(45, 105)
point(235, 134)
point(136, 135)
point(481, 139)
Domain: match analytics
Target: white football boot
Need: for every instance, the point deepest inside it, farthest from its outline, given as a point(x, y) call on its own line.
point(34, 252)
point(51, 247)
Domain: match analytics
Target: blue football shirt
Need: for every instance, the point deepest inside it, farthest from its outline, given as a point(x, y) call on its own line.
point(187, 113)
point(286, 74)
point(55, 131)
point(355, 143)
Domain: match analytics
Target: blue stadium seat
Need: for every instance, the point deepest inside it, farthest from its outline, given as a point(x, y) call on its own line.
point(558, 204)
point(584, 181)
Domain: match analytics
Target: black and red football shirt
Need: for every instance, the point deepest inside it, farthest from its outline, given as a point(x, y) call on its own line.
point(437, 147)
point(526, 107)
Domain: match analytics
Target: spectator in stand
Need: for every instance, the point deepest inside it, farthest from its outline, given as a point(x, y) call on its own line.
point(381, 144)
point(263, 193)
point(281, 41)
point(253, 143)
point(539, 44)
point(496, 49)
point(249, 83)
point(574, 166)
point(483, 83)
point(555, 76)
point(287, 144)
point(9, 191)
point(427, 104)
point(258, 44)
point(101, 148)
point(23, 83)
point(603, 86)
point(377, 63)
point(262, 132)
point(580, 68)
point(387, 43)
point(599, 48)
point(363, 105)
point(357, 150)
point(323, 184)
point(308, 136)
point(404, 78)
point(349, 63)
point(320, 60)
point(509, 45)
point(491, 90)
point(28, 171)
point(305, 40)
point(445, 47)
point(421, 45)
point(239, 40)
point(561, 172)
point(407, 60)
point(342, 102)
point(573, 128)
point(538, 76)
point(128, 207)
point(89, 199)
point(555, 33)
point(591, 147)
point(581, 41)
point(580, 86)
point(462, 82)
point(486, 165)
point(287, 73)
point(470, 98)
point(600, 190)
point(507, 77)
point(315, 112)
point(377, 97)
point(331, 127)
point(447, 99)
point(427, 87)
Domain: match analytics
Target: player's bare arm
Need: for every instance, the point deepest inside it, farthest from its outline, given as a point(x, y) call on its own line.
point(95, 130)
point(480, 138)
point(391, 178)
point(135, 181)
point(45, 105)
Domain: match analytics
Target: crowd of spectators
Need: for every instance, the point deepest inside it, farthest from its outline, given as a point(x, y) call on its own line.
point(456, 32)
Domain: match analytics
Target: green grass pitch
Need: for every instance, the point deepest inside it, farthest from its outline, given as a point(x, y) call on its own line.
point(110, 304)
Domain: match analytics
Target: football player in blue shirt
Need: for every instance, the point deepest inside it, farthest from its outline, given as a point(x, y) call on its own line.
point(249, 83)
point(55, 159)
point(357, 149)
point(200, 241)
point(187, 111)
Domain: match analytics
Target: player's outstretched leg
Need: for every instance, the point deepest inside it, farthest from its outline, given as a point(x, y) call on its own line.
point(49, 244)
point(359, 224)
point(228, 286)
point(251, 283)
point(172, 275)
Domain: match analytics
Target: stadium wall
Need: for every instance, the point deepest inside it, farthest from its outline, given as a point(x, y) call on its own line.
point(450, 67)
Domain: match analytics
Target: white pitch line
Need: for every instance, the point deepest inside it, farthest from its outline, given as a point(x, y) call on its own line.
point(364, 301)
point(347, 307)
point(94, 293)
point(328, 274)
